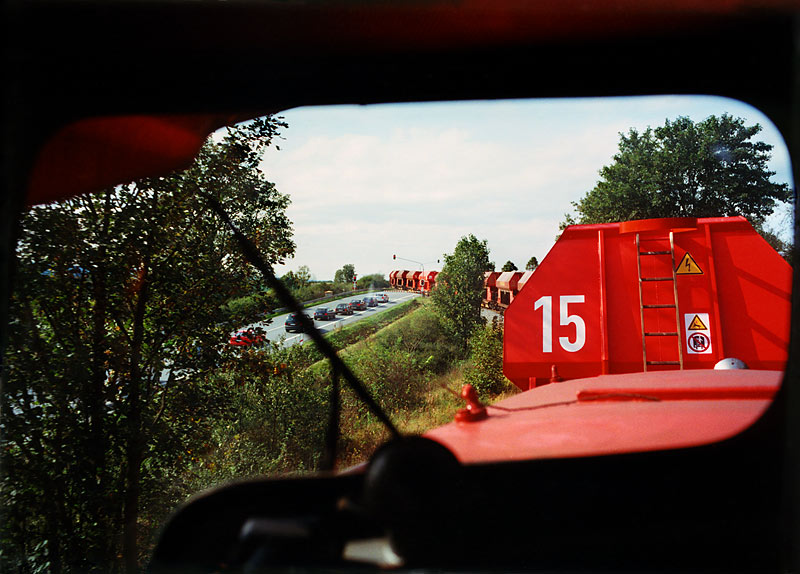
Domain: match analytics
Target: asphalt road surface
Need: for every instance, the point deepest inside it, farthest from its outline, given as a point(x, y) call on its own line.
point(275, 330)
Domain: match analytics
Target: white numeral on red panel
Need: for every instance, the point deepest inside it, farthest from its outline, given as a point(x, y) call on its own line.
point(545, 303)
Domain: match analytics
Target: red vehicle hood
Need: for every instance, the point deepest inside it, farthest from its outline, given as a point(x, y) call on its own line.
point(615, 414)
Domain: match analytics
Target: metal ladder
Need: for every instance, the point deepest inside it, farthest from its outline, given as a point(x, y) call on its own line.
point(673, 305)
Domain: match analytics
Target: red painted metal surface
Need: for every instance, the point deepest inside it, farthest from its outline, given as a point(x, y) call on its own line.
point(94, 153)
point(427, 281)
point(581, 310)
point(508, 280)
point(475, 410)
point(674, 409)
point(523, 278)
point(403, 278)
point(491, 294)
point(412, 280)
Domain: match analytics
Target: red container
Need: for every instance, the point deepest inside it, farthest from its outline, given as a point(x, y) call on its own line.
point(694, 291)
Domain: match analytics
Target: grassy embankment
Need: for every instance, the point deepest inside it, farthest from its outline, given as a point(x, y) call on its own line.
point(408, 367)
point(270, 408)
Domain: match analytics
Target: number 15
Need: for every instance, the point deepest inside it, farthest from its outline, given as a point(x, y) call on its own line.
point(545, 303)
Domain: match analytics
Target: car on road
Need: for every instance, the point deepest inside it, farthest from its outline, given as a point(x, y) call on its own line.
point(323, 313)
point(371, 302)
point(293, 323)
point(246, 338)
point(382, 298)
point(344, 309)
point(359, 305)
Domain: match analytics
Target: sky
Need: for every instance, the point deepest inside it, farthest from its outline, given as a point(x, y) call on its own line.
point(370, 182)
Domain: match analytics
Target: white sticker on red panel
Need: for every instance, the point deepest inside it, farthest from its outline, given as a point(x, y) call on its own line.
point(698, 333)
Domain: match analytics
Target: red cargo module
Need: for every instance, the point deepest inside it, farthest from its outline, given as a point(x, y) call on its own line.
point(404, 279)
point(427, 281)
point(660, 294)
point(490, 297)
point(412, 280)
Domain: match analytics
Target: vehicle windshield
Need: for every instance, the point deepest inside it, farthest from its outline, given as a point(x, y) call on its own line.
point(126, 363)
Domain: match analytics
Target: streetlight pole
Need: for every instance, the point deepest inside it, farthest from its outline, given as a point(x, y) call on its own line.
point(422, 265)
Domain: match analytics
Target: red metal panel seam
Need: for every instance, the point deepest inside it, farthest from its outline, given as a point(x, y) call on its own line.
point(712, 276)
point(601, 252)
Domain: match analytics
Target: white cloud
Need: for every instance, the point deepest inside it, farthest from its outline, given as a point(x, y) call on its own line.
point(416, 179)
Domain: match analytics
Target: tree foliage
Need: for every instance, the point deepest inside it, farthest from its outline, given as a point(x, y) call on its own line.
point(117, 315)
point(459, 288)
point(303, 275)
point(509, 266)
point(345, 274)
point(532, 264)
point(684, 169)
point(373, 281)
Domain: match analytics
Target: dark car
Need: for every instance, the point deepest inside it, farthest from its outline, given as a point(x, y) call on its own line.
point(324, 313)
point(371, 302)
point(293, 324)
point(246, 338)
point(359, 305)
point(344, 309)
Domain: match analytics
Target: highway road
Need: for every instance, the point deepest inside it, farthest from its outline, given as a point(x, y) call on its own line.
point(275, 330)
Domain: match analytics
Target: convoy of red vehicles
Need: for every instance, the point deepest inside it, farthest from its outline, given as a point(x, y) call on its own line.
point(501, 287)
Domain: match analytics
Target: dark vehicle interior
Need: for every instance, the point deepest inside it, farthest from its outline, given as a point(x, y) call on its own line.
point(98, 93)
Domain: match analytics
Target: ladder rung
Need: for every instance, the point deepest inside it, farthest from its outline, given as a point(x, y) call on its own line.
point(660, 334)
point(673, 305)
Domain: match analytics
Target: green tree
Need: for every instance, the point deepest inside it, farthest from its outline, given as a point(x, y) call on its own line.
point(303, 276)
point(532, 264)
point(290, 280)
point(684, 169)
point(373, 281)
point(345, 274)
point(459, 288)
point(117, 311)
point(509, 266)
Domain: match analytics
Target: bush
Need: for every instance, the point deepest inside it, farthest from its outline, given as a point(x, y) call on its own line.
point(485, 368)
point(374, 281)
point(274, 423)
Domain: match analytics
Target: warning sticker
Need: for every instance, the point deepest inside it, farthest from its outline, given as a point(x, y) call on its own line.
point(698, 335)
point(688, 266)
point(697, 324)
point(699, 343)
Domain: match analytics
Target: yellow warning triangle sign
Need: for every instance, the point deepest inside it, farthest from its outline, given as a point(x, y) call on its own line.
point(697, 324)
point(688, 266)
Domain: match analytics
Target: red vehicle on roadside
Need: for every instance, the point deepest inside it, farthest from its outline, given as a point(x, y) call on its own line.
point(246, 338)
